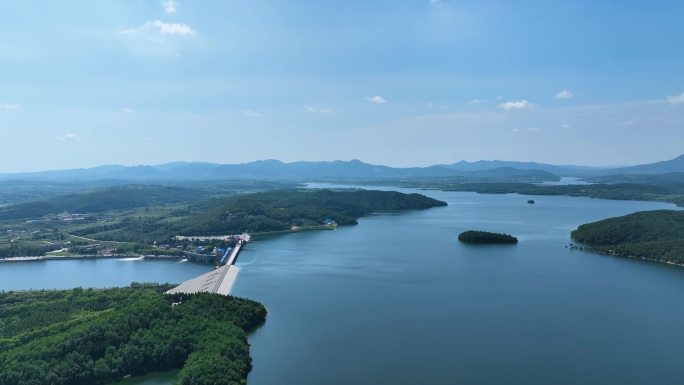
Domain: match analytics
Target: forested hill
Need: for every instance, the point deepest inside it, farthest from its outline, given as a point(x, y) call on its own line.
point(91, 337)
point(280, 209)
point(657, 235)
point(113, 198)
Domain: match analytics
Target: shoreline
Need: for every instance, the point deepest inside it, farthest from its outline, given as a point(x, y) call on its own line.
point(637, 258)
point(590, 250)
point(40, 258)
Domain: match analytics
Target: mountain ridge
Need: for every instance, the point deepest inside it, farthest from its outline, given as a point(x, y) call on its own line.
point(338, 170)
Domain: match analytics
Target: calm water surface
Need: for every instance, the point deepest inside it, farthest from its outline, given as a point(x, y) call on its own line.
point(398, 300)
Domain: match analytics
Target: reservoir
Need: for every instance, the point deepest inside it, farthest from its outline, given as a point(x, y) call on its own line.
point(398, 300)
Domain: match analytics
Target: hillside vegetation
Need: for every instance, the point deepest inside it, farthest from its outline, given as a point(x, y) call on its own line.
point(280, 209)
point(657, 235)
point(113, 198)
point(141, 227)
point(90, 337)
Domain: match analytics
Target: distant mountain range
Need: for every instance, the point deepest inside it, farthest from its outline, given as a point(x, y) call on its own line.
point(277, 170)
point(666, 166)
point(484, 170)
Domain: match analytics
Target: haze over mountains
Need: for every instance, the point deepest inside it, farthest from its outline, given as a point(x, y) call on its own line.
point(483, 170)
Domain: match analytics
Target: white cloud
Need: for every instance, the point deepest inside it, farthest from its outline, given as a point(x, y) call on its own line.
point(321, 110)
point(629, 123)
point(128, 110)
point(677, 99)
point(252, 113)
point(157, 27)
point(69, 138)
point(375, 99)
point(529, 129)
point(431, 105)
point(499, 97)
point(170, 6)
point(479, 101)
point(565, 94)
point(10, 106)
point(566, 125)
point(516, 105)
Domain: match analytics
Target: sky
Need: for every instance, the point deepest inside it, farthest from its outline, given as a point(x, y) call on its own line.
point(401, 83)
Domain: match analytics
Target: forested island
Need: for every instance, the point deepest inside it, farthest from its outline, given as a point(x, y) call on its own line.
point(656, 235)
point(485, 237)
point(98, 336)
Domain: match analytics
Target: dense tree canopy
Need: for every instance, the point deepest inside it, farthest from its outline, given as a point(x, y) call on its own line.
point(279, 209)
point(473, 236)
point(657, 235)
point(99, 336)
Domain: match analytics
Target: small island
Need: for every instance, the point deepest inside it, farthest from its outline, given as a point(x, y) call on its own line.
point(531, 201)
point(485, 237)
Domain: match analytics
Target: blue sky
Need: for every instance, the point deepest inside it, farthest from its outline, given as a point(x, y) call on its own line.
point(394, 82)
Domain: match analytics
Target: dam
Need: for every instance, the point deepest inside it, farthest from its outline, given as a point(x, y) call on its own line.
point(220, 280)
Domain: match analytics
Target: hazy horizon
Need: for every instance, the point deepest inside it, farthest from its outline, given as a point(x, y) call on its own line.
point(414, 83)
point(316, 161)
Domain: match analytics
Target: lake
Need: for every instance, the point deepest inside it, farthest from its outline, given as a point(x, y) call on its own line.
point(398, 300)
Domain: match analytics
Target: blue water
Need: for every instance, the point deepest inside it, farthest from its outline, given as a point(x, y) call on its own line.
point(398, 300)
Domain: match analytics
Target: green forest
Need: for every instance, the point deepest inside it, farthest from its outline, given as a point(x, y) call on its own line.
point(485, 237)
point(657, 235)
point(112, 198)
point(280, 209)
point(98, 336)
point(131, 219)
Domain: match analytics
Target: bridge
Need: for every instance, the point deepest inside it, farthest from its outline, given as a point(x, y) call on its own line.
point(219, 280)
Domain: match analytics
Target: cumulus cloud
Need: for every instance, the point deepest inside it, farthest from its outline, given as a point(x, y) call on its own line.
point(375, 99)
point(479, 101)
point(10, 106)
point(676, 100)
point(157, 27)
point(565, 94)
point(516, 105)
point(169, 6)
point(320, 110)
point(252, 113)
point(69, 138)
